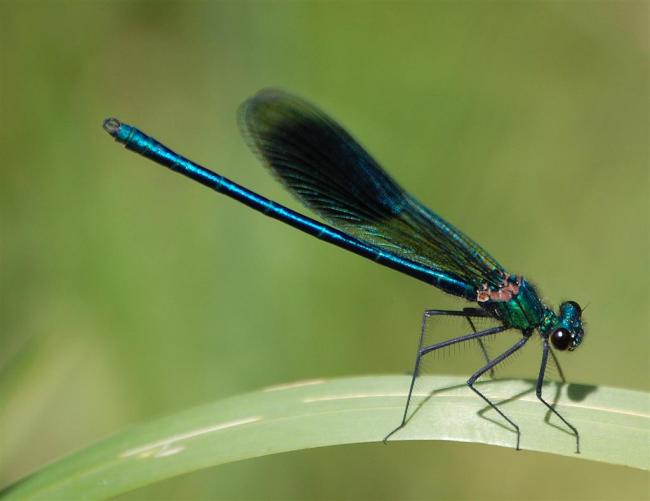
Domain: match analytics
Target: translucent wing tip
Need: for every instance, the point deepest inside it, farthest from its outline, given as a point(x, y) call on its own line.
point(258, 107)
point(267, 95)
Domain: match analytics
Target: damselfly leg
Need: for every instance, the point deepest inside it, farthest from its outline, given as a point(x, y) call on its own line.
point(424, 350)
point(476, 312)
point(538, 391)
point(560, 372)
point(472, 380)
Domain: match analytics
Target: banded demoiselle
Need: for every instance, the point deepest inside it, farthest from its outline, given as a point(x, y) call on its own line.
point(371, 215)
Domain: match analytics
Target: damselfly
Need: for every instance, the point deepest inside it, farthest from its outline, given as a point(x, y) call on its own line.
point(371, 215)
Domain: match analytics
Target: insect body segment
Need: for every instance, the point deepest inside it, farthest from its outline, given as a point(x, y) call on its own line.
point(517, 305)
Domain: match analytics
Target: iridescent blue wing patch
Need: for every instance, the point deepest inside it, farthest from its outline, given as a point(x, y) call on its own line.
point(329, 172)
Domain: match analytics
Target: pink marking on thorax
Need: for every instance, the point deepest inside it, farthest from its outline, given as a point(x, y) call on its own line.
point(504, 293)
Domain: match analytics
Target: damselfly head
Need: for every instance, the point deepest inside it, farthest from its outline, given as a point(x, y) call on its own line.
point(567, 333)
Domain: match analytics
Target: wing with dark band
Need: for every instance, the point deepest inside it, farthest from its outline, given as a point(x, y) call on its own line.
point(329, 172)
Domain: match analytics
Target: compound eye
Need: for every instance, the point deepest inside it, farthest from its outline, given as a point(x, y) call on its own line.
point(561, 339)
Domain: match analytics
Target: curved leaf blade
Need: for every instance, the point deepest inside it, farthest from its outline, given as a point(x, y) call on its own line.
point(614, 425)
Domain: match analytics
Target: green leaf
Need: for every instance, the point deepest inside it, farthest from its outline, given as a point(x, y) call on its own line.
point(614, 427)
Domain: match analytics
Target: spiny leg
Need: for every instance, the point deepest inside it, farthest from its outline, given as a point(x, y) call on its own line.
point(425, 317)
point(423, 351)
point(557, 365)
point(480, 341)
point(558, 388)
point(540, 383)
point(483, 370)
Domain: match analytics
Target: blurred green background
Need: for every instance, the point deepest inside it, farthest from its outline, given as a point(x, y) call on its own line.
point(128, 292)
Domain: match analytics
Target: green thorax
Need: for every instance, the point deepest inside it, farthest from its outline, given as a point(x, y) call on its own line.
point(524, 311)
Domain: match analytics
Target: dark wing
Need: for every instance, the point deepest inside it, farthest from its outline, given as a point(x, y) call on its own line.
point(329, 172)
